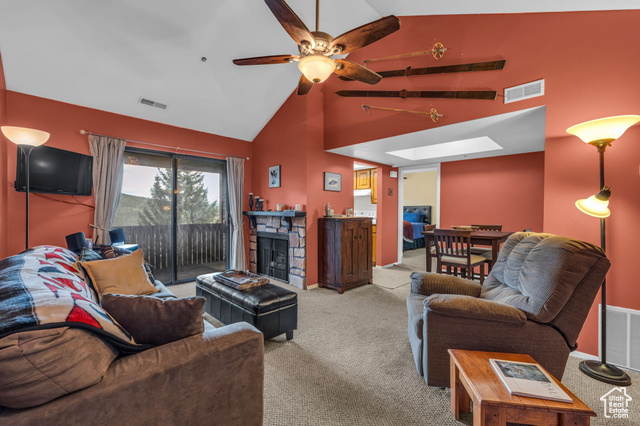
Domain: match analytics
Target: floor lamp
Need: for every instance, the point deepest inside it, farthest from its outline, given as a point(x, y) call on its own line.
point(26, 139)
point(601, 133)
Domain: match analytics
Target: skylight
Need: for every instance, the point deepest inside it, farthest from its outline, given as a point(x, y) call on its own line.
point(448, 149)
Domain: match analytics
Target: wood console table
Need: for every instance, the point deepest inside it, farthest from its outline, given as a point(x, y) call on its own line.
point(474, 379)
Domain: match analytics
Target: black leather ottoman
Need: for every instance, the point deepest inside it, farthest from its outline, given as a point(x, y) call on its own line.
point(271, 309)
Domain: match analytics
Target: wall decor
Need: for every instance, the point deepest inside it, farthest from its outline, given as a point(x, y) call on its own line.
point(274, 177)
point(332, 181)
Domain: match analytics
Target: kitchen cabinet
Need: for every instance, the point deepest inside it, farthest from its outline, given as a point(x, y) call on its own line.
point(363, 179)
point(374, 186)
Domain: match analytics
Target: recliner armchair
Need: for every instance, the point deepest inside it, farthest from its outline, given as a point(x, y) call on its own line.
point(534, 301)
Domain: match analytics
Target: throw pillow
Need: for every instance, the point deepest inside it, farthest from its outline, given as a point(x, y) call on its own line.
point(122, 275)
point(111, 252)
point(413, 217)
point(40, 365)
point(154, 320)
point(88, 255)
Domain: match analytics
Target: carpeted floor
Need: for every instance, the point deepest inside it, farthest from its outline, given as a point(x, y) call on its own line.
point(349, 363)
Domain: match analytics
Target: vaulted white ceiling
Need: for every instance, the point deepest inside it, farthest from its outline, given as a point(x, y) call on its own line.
point(108, 54)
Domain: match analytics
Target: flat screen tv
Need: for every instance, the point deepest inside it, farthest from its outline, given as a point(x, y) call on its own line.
point(55, 171)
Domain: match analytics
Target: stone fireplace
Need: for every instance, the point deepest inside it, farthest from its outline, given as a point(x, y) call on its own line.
point(277, 246)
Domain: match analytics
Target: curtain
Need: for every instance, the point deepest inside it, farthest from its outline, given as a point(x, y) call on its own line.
point(108, 169)
point(235, 181)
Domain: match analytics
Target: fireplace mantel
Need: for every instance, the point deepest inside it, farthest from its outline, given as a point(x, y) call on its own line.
point(287, 215)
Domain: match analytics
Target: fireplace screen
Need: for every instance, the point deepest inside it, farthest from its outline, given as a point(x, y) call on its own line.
point(273, 255)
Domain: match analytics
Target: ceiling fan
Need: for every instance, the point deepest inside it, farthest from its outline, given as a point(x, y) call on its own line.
point(317, 47)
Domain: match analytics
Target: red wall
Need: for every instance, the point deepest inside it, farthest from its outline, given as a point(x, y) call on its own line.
point(294, 139)
point(579, 86)
point(506, 190)
point(572, 172)
point(50, 221)
point(4, 204)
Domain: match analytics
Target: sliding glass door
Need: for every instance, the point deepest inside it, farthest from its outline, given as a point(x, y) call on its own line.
point(175, 208)
point(201, 232)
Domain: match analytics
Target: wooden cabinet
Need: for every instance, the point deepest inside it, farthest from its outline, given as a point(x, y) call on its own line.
point(373, 244)
point(345, 252)
point(374, 186)
point(363, 179)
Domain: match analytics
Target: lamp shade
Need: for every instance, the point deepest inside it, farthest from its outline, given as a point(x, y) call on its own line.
point(117, 236)
point(76, 242)
point(24, 136)
point(603, 129)
point(594, 206)
point(316, 68)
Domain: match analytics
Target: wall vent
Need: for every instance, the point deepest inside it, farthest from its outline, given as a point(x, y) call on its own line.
point(151, 103)
point(524, 91)
point(623, 337)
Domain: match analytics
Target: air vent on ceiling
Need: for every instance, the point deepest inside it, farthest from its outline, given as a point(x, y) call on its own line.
point(524, 91)
point(151, 103)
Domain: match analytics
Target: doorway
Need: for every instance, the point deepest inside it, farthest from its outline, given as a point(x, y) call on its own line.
point(418, 186)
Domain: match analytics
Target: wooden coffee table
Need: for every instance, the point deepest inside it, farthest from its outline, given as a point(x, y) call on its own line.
point(474, 379)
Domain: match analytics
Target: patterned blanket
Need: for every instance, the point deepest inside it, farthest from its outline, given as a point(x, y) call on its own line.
point(41, 288)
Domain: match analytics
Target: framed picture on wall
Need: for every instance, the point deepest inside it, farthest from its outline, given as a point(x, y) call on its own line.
point(332, 181)
point(274, 177)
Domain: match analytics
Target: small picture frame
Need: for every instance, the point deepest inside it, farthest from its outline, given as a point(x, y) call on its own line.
point(332, 181)
point(274, 177)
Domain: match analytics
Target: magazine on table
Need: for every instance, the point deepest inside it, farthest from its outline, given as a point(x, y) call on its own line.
point(528, 379)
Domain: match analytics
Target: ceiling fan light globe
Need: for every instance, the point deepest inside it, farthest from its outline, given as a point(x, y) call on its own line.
point(316, 68)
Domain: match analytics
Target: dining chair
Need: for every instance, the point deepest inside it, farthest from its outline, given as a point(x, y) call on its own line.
point(432, 244)
point(453, 252)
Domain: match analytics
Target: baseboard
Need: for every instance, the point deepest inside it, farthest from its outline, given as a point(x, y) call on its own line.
point(389, 265)
point(312, 286)
point(583, 355)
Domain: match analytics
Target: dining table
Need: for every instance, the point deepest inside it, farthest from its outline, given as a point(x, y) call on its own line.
point(493, 239)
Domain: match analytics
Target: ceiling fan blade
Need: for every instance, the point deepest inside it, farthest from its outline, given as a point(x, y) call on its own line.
point(354, 71)
point(366, 34)
point(304, 86)
point(290, 22)
point(265, 60)
point(448, 94)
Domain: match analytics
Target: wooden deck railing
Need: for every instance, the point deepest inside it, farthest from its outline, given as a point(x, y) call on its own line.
point(197, 244)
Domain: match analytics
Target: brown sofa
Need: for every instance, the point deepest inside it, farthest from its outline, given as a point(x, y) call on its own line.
point(534, 301)
point(213, 378)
